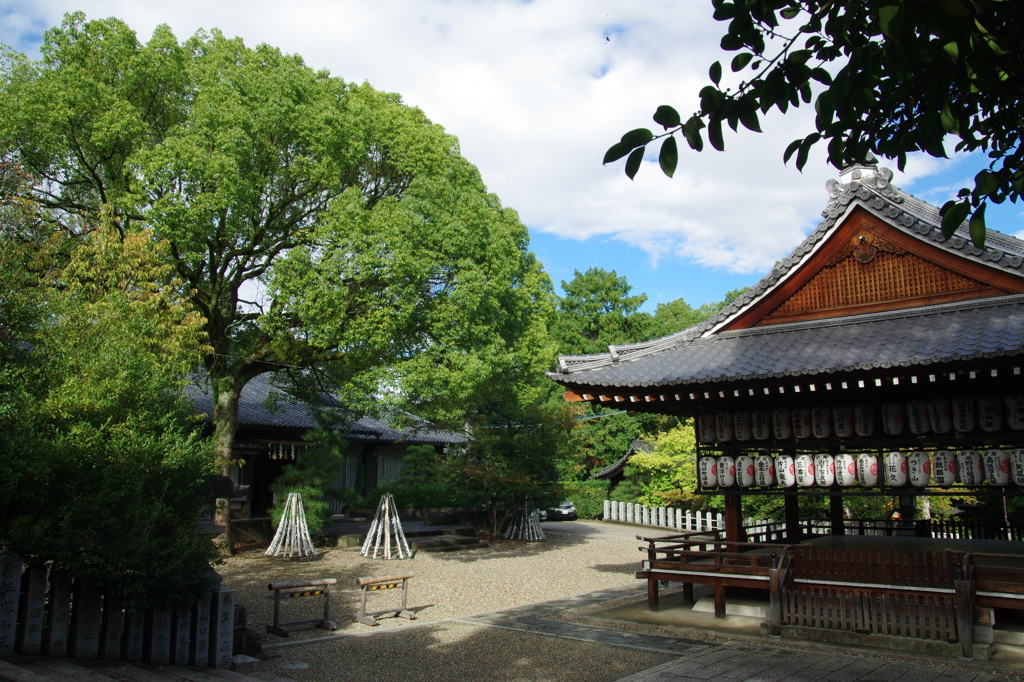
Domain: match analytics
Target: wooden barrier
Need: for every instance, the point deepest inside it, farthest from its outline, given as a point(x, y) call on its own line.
point(47, 612)
point(302, 588)
point(383, 583)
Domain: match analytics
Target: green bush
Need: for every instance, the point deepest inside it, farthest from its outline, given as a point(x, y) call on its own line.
point(588, 496)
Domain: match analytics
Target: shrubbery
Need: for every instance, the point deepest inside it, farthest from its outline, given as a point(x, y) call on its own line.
point(104, 460)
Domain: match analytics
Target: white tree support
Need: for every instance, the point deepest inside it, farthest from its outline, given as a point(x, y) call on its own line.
point(525, 523)
point(386, 536)
point(292, 538)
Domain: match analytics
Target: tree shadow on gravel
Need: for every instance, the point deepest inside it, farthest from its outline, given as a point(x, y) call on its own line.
point(452, 651)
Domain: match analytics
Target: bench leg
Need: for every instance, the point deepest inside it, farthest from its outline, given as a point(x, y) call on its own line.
point(652, 594)
point(688, 593)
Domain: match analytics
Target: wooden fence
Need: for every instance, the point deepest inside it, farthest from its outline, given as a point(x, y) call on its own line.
point(662, 517)
point(47, 612)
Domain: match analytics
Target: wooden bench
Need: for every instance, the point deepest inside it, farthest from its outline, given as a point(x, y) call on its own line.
point(699, 558)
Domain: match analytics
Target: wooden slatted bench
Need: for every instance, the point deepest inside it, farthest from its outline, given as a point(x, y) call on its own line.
point(699, 558)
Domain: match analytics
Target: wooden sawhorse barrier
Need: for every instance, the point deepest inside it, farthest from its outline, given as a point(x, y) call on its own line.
point(389, 582)
point(302, 588)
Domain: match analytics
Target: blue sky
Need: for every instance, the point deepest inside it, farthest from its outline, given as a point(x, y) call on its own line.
point(535, 93)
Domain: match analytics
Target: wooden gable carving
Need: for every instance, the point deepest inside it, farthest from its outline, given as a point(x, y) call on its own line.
point(867, 266)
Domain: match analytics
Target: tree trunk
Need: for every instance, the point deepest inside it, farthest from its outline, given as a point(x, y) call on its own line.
point(225, 420)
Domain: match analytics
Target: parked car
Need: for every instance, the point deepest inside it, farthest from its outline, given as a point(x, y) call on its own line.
point(564, 510)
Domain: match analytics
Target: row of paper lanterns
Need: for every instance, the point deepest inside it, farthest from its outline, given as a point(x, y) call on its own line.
point(917, 417)
point(941, 468)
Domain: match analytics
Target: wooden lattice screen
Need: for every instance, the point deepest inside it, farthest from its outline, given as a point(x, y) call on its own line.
point(891, 276)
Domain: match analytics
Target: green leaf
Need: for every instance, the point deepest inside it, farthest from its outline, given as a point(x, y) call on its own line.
point(798, 57)
point(692, 132)
point(637, 137)
point(741, 60)
point(805, 149)
point(667, 117)
point(890, 18)
point(669, 156)
point(790, 12)
point(822, 76)
point(985, 183)
point(633, 162)
point(748, 116)
point(615, 152)
point(715, 134)
point(953, 215)
point(977, 227)
point(950, 123)
point(791, 149)
point(715, 73)
point(952, 50)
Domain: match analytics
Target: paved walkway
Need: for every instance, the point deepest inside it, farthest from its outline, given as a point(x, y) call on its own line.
point(737, 660)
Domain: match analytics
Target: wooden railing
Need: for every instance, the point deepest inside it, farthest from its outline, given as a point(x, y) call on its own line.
point(898, 592)
point(44, 612)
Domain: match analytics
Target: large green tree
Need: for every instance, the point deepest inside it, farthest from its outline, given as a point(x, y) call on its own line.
point(892, 77)
point(318, 224)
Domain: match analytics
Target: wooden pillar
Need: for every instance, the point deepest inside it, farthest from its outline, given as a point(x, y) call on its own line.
point(733, 518)
point(793, 531)
point(836, 515)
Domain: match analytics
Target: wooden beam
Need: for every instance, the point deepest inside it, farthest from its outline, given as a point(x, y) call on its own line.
point(572, 397)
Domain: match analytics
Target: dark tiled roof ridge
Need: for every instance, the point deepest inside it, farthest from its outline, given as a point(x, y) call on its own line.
point(899, 208)
point(591, 362)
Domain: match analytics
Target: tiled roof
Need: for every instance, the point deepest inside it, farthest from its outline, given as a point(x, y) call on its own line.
point(288, 412)
point(637, 445)
point(920, 336)
point(864, 186)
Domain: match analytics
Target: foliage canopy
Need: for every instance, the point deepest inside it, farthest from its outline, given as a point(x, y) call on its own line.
point(320, 225)
point(892, 77)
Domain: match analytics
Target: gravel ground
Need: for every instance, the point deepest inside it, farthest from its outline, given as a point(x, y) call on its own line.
point(576, 558)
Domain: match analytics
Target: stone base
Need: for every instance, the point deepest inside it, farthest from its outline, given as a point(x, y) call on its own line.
point(240, 663)
point(750, 608)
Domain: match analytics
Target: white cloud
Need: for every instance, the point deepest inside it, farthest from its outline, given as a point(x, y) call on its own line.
point(536, 91)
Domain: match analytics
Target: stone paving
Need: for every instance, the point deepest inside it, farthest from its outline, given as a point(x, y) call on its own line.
point(737, 660)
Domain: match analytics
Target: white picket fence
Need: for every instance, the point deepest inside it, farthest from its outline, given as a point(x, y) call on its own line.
point(662, 517)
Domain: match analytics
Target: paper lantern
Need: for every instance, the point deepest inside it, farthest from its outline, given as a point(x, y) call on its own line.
point(707, 470)
point(745, 471)
point(940, 415)
point(969, 465)
point(723, 426)
point(892, 418)
point(896, 469)
point(782, 423)
point(917, 417)
point(804, 465)
point(1015, 411)
point(990, 413)
point(842, 421)
point(726, 471)
point(964, 414)
point(785, 471)
point(919, 469)
point(863, 420)
point(997, 467)
point(824, 470)
point(846, 470)
point(741, 426)
point(761, 424)
point(764, 470)
point(706, 427)
point(821, 422)
point(801, 422)
point(1017, 465)
point(867, 470)
point(943, 468)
